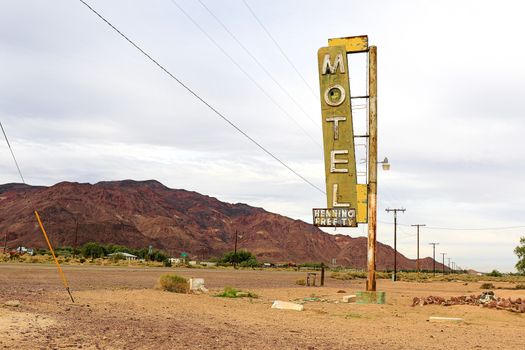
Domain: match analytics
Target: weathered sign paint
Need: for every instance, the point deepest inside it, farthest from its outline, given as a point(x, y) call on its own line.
point(338, 135)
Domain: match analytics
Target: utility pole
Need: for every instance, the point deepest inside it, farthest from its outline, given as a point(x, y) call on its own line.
point(395, 238)
point(434, 255)
point(372, 169)
point(443, 254)
point(235, 251)
point(448, 264)
point(76, 238)
point(418, 226)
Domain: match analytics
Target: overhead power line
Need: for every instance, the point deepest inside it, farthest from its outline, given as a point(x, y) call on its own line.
point(201, 99)
point(463, 228)
point(60, 271)
point(256, 60)
point(12, 154)
point(239, 66)
point(280, 49)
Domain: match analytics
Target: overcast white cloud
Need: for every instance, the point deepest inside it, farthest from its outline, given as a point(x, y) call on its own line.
point(81, 104)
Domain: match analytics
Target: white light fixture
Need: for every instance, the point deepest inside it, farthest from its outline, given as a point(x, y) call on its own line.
point(385, 164)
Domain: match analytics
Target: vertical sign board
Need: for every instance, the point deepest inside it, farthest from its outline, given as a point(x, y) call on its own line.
point(338, 134)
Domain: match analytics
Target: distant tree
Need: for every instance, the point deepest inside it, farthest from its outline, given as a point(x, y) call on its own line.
point(93, 250)
point(239, 257)
point(520, 252)
point(495, 273)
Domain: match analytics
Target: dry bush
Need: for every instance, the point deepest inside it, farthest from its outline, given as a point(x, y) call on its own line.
point(487, 286)
point(174, 283)
point(301, 282)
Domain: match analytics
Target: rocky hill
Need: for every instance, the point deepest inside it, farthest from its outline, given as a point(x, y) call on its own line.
point(143, 213)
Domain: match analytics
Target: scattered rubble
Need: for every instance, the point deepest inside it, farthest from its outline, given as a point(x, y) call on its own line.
point(486, 299)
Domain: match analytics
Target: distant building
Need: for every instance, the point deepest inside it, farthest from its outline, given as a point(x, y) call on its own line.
point(127, 256)
point(24, 250)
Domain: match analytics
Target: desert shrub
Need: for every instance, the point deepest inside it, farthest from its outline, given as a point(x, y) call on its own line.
point(174, 283)
point(487, 286)
point(82, 260)
point(166, 263)
point(230, 292)
point(520, 286)
point(300, 282)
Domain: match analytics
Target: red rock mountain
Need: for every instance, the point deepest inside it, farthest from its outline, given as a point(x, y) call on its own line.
point(143, 213)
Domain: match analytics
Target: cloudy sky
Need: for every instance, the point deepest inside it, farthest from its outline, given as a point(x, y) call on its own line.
point(81, 104)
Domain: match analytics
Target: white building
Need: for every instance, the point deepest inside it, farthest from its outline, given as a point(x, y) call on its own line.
point(125, 255)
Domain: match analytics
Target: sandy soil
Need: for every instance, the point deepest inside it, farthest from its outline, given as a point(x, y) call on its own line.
point(118, 308)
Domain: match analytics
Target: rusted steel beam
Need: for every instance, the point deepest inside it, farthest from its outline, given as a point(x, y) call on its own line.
point(372, 169)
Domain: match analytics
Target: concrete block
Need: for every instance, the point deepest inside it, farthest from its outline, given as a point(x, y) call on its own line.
point(286, 305)
point(196, 284)
point(349, 298)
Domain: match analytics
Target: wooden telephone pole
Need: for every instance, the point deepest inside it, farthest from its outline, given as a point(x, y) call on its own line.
point(417, 263)
point(395, 239)
point(434, 244)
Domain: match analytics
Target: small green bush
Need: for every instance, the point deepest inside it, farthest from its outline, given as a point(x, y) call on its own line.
point(173, 283)
point(487, 286)
point(82, 260)
point(166, 263)
point(230, 292)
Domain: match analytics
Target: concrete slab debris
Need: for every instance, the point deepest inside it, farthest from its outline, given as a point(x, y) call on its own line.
point(349, 298)
point(12, 303)
point(286, 305)
point(445, 319)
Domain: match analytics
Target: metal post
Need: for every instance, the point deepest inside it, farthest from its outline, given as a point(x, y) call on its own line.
point(443, 261)
point(434, 255)
point(322, 274)
point(395, 239)
point(417, 262)
point(448, 265)
point(372, 169)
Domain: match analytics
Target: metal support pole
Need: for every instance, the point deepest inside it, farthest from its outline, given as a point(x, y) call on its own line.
point(322, 274)
point(372, 169)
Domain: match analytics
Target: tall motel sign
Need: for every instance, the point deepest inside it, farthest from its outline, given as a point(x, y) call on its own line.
point(348, 203)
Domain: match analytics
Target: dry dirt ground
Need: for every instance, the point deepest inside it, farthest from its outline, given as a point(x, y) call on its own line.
point(118, 308)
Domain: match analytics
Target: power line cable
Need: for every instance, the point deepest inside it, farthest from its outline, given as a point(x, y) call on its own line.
point(280, 48)
point(202, 100)
point(12, 154)
point(256, 60)
point(60, 271)
point(239, 66)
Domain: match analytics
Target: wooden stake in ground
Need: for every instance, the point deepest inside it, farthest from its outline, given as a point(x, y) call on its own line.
point(64, 279)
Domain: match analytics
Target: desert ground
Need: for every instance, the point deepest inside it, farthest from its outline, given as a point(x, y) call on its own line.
point(119, 308)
